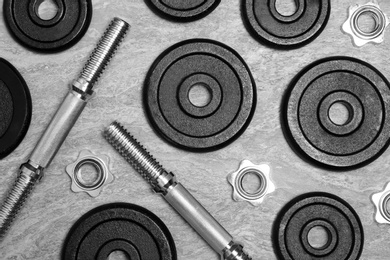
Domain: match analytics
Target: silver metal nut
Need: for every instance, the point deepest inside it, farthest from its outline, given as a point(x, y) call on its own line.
point(262, 172)
point(81, 88)
point(351, 25)
point(380, 200)
point(100, 163)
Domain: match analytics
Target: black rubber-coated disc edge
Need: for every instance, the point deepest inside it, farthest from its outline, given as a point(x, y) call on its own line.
point(22, 106)
point(272, 44)
point(290, 204)
point(130, 206)
point(156, 128)
point(13, 27)
point(287, 132)
point(184, 18)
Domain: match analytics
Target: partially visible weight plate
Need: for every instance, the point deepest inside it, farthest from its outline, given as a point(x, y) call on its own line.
point(62, 31)
point(184, 10)
point(129, 228)
point(15, 108)
point(309, 212)
point(292, 31)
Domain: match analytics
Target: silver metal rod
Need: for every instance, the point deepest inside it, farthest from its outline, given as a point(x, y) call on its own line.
point(177, 196)
point(62, 122)
point(58, 129)
point(198, 217)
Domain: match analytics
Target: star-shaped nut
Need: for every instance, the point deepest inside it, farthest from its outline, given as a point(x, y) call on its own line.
point(359, 36)
point(99, 163)
point(236, 178)
point(380, 200)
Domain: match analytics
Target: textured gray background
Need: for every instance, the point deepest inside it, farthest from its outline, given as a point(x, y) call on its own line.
point(42, 225)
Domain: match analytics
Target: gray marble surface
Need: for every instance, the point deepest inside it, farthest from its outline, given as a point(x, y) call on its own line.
point(40, 228)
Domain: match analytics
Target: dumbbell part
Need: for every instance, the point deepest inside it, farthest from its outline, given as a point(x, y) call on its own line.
point(62, 122)
point(196, 127)
point(262, 172)
point(311, 130)
point(141, 236)
point(181, 200)
point(345, 235)
point(15, 108)
point(61, 32)
point(265, 23)
point(183, 11)
point(360, 37)
point(381, 200)
point(99, 163)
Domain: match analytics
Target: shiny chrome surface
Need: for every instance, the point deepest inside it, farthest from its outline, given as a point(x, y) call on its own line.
point(236, 179)
point(360, 37)
point(99, 163)
point(177, 196)
point(381, 201)
point(62, 122)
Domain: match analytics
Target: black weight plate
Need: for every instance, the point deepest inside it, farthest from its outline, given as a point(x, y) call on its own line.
point(124, 227)
point(268, 25)
point(362, 89)
point(61, 32)
point(214, 66)
point(183, 10)
point(344, 230)
point(15, 108)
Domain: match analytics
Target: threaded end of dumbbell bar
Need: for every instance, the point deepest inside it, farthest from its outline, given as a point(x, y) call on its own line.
point(14, 201)
point(133, 152)
point(235, 252)
point(105, 50)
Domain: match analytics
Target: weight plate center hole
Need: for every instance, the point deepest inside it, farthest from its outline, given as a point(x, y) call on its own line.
point(340, 113)
point(47, 10)
point(368, 22)
point(286, 7)
point(118, 255)
point(89, 174)
point(318, 237)
point(200, 95)
point(252, 183)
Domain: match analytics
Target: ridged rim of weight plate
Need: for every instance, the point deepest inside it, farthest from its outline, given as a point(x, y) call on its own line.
point(82, 236)
point(23, 30)
point(186, 126)
point(345, 235)
point(291, 39)
point(338, 150)
point(22, 108)
point(187, 15)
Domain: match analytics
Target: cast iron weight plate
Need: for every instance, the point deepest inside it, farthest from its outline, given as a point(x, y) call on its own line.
point(269, 26)
point(362, 89)
point(183, 10)
point(339, 220)
point(65, 29)
point(15, 108)
point(119, 227)
point(218, 68)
